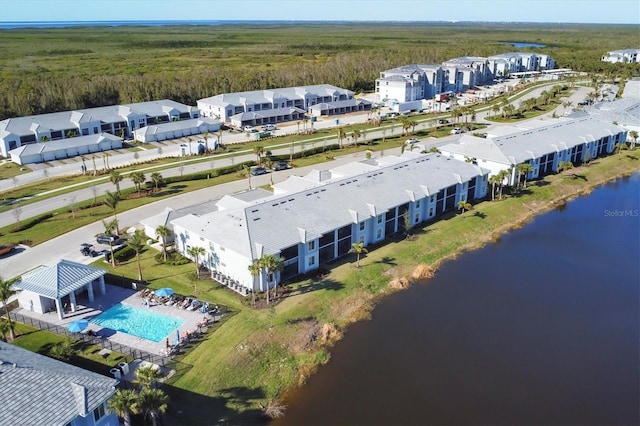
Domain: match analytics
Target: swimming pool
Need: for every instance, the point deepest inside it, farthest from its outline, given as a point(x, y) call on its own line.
point(142, 323)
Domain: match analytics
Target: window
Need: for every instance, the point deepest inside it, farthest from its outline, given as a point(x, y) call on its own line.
point(417, 218)
point(380, 218)
point(312, 260)
point(312, 245)
point(378, 234)
point(186, 234)
point(361, 239)
point(99, 412)
point(362, 226)
point(418, 204)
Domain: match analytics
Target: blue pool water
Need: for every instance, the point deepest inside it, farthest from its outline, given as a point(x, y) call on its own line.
point(142, 323)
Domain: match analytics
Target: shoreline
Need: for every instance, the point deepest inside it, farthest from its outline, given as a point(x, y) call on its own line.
point(421, 273)
point(276, 350)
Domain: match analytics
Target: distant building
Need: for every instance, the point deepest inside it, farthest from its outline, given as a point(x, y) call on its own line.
point(38, 390)
point(274, 106)
point(64, 148)
point(624, 56)
point(117, 120)
point(311, 220)
point(541, 144)
point(176, 129)
point(409, 84)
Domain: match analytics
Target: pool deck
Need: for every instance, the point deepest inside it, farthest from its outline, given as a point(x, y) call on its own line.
point(114, 295)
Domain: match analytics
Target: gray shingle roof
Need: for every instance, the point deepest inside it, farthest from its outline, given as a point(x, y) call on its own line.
point(37, 390)
point(60, 279)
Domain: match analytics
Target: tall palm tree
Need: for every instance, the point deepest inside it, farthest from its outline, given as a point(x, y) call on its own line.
point(109, 227)
point(356, 135)
point(196, 252)
point(5, 293)
point(523, 170)
point(138, 179)
point(115, 178)
point(341, 135)
point(157, 179)
point(634, 139)
point(205, 136)
point(111, 200)
point(358, 249)
point(254, 270)
point(123, 404)
point(137, 243)
point(258, 150)
point(153, 403)
point(271, 264)
point(164, 232)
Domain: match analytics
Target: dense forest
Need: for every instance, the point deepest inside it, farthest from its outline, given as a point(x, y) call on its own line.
point(49, 70)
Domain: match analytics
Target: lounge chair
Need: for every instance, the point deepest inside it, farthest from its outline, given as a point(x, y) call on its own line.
point(194, 305)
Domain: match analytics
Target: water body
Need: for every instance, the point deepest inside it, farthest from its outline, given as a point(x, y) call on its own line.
point(539, 328)
point(524, 44)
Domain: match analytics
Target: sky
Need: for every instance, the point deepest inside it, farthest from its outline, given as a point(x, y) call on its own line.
point(549, 11)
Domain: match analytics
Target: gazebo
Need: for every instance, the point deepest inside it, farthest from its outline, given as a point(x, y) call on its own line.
point(54, 287)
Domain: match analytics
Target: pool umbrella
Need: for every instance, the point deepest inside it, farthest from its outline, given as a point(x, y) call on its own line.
point(164, 292)
point(204, 308)
point(177, 336)
point(78, 326)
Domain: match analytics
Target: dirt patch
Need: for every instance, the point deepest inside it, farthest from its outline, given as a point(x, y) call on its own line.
point(304, 336)
point(329, 334)
point(355, 307)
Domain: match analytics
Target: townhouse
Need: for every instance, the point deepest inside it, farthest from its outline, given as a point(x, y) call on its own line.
point(309, 221)
point(541, 144)
point(117, 120)
point(273, 106)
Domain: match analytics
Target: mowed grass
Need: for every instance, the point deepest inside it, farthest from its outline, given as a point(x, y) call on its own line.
point(258, 354)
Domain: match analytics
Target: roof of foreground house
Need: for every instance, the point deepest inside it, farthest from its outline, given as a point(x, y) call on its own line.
point(37, 390)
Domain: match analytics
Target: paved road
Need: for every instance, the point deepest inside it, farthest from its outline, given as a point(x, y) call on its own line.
point(67, 245)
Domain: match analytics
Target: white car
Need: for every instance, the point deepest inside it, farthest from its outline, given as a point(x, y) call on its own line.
point(269, 127)
point(456, 131)
point(411, 141)
point(248, 128)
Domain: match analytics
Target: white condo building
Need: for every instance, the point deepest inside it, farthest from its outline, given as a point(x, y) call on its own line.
point(311, 220)
point(279, 105)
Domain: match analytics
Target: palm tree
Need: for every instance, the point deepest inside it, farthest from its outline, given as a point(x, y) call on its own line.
point(523, 169)
point(157, 179)
point(205, 136)
point(620, 146)
point(153, 403)
point(356, 135)
point(147, 377)
point(196, 252)
point(493, 180)
point(258, 150)
point(111, 200)
point(164, 232)
point(564, 165)
point(271, 265)
point(115, 179)
point(254, 270)
point(108, 230)
point(123, 404)
point(502, 175)
point(464, 206)
point(341, 135)
point(495, 108)
point(5, 293)
point(138, 179)
point(95, 170)
point(566, 104)
point(137, 243)
point(634, 138)
point(358, 249)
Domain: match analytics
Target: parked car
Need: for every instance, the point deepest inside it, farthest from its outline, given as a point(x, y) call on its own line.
point(456, 131)
point(106, 239)
point(6, 248)
point(258, 171)
point(412, 141)
point(442, 121)
point(269, 127)
point(249, 129)
point(87, 250)
point(281, 165)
